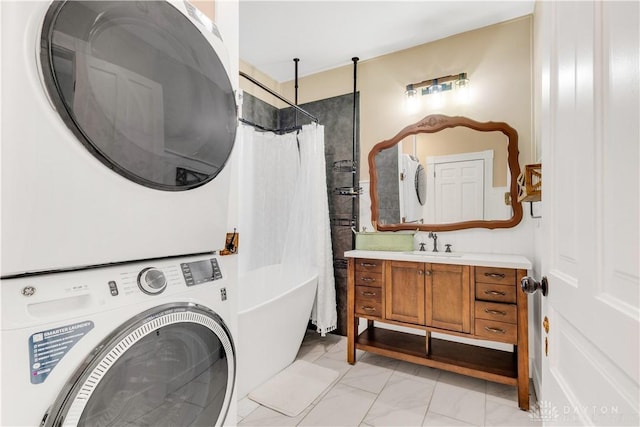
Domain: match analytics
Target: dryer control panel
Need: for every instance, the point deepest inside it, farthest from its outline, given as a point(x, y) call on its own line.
point(199, 272)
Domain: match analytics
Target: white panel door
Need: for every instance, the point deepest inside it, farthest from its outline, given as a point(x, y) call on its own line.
point(117, 104)
point(459, 191)
point(590, 139)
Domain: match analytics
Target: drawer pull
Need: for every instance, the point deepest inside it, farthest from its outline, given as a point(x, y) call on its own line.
point(368, 264)
point(495, 330)
point(368, 294)
point(496, 312)
point(495, 293)
point(367, 308)
point(500, 275)
point(367, 279)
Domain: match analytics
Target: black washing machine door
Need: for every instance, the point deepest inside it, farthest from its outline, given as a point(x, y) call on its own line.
point(172, 365)
point(142, 88)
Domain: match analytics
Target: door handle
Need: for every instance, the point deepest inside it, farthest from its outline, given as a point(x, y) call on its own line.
point(530, 285)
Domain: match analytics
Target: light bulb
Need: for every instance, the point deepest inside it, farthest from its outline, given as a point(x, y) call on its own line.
point(411, 101)
point(462, 89)
point(435, 96)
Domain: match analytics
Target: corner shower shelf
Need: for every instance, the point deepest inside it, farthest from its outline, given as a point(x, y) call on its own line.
point(343, 221)
point(348, 191)
point(348, 166)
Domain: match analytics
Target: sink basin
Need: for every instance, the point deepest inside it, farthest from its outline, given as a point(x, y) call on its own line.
point(436, 254)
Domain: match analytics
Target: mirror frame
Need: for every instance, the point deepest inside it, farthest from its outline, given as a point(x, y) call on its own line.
point(434, 123)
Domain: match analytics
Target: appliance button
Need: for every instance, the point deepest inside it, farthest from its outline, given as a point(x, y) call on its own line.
point(113, 288)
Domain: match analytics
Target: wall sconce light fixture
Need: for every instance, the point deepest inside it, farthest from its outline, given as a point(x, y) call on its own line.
point(435, 88)
point(412, 100)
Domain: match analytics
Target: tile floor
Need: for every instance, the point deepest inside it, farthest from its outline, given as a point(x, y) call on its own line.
point(379, 391)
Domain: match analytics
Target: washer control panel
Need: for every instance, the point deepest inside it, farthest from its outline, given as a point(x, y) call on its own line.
point(164, 277)
point(152, 281)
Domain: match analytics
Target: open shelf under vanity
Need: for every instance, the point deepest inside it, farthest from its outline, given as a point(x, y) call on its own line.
point(480, 362)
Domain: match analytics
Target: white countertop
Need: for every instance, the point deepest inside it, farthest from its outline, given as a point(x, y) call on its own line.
point(460, 258)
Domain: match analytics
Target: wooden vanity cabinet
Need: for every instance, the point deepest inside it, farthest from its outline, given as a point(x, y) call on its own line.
point(448, 297)
point(405, 292)
point(463, 300)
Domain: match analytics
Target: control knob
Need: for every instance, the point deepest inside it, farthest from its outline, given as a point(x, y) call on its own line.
point(152, 281)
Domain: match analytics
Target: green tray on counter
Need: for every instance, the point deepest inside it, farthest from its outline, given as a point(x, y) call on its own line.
point(384, 241)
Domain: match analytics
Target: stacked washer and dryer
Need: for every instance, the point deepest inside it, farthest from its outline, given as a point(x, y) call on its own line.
point(117, 121)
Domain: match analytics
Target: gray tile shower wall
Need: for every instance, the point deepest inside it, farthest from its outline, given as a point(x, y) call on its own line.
point(260, 112)
point(387, 188)
point(336, 115)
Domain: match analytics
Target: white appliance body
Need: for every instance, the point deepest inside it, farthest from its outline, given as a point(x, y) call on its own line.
point(102, 163)
point(94, 347)
point(412, 186)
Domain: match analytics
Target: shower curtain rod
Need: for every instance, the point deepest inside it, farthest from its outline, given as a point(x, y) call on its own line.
point(266, 129)
point(280, 97)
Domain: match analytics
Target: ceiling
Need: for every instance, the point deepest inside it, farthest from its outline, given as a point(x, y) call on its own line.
point(327, 34)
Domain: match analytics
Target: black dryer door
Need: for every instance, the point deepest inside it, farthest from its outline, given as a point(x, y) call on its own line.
point(142, 88)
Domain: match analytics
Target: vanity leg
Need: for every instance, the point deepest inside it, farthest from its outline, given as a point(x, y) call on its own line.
point(428, 342)
point(369, 324)
point(352, 321)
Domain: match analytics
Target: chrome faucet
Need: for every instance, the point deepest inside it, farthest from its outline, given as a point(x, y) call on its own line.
point(434, 236)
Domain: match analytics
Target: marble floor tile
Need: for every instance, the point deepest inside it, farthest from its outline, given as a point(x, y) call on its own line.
point(414, 371)
point(460, 380)
point(339, 351)
point(402, 402)
point(314, 345)
point(377, 360)
point(498, 414)
point(437, 420)
point(502, 394)
point(459, 399)
point(369, 374)
point(342, 406)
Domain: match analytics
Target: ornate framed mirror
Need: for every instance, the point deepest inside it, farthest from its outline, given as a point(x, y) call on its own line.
point(446, 173)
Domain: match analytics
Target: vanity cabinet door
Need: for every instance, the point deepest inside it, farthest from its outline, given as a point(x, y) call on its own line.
point(405, 292)
point(448, 297)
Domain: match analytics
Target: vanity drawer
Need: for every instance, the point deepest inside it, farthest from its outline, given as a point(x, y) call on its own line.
point(369, 308)
point(369, 265)
point(365, 278)
point(498, 293)
point(501, 276)
point(507, 313)
point(497, 331)
point(368, 293)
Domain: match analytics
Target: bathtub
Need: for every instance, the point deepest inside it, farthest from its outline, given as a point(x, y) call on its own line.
point(274, 307)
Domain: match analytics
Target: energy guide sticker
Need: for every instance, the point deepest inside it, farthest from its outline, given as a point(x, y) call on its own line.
point(47, 348)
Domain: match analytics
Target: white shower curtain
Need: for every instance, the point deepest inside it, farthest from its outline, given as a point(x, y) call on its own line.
point(286, 211)
point(269, 169)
